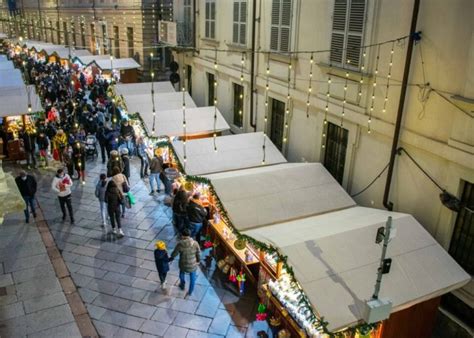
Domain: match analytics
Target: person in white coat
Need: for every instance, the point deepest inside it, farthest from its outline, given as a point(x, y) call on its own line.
point(62, 184)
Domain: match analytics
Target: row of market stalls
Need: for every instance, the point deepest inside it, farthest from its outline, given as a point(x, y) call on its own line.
point(18, 101)
point(291, 231)
point(121, 69)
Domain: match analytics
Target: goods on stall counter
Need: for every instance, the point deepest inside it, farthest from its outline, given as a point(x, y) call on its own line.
point(240, 244)
point(284, 333)
point(261, 312)
point(248, 256)
point(290, 296)
point(241, 282)
point(275, 323)
point(207, 242)
point(233, 275)
point(225, 264)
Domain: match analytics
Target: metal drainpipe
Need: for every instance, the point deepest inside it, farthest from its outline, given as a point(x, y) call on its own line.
point(401, 103)
point(194, 24)
point(252, 66)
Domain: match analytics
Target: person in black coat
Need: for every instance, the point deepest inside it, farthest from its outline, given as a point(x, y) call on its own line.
point(79, 159)
point(27, 187)
point(101, 137)
point(162, 262)
point(29, 142)
point(43, 144)
point(113, 198)
point(126, 162)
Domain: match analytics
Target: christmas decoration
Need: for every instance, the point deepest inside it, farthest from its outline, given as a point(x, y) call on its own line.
point(261, 314)
point(241, 282)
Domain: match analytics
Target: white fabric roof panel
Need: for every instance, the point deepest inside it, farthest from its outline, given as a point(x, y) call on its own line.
point(144, 88)
point(274, 194)
point(6, 65)
point(15, 101)
point(199, 121)
point(3, 58)
point(335, 260)
point(234, 152)
point(11, 78)
point(142, 104)
point(123, 64)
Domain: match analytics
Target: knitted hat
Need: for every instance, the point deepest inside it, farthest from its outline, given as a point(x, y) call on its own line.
point(160, 245)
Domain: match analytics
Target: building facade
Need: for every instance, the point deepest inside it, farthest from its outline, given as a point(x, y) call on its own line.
point(349, 125)
point(122, 28)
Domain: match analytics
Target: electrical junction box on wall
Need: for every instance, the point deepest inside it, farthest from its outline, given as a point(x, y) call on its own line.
point(377, 310)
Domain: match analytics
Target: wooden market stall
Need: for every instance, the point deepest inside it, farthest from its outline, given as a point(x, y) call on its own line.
point(335, 259)
point(235, 152)
point(127, 68)
point(256, 197)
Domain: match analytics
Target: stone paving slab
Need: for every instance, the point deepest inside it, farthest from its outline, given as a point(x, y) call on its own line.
point(116, 279)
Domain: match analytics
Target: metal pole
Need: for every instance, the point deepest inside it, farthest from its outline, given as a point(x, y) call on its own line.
point(401, 103)
point(386, 238)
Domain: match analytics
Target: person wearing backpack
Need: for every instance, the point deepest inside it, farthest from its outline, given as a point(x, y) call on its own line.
point(113, 198)
point(100, 190)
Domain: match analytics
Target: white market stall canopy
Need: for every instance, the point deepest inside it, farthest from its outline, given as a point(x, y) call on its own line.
point(278, 193)
point(6, 65)
point(15, 100)
point(88, 59)
point(48, 48)
point(119, 64)
point(144, 88)
point(11, 78)
point(335, 259)
point(3, 58)
point(235, 152)
point(142, 103)
point(199, 121)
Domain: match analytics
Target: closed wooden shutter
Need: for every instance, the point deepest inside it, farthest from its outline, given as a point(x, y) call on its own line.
point(280, 32)
point(210, 19)
point(243, 22)
point(347, 32)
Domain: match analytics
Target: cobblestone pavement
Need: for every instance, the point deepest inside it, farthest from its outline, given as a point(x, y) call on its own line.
point(117, 279)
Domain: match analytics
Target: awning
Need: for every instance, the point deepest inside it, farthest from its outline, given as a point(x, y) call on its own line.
point(15, 100)
point(6, 65)
point(199, 121)
point(235, 152)
point(335, 260)
point(142, 103)
point(144, 88)
point(11, 78)
point(118, 64)
point(87, 59)
point(278, 193)
point(50, 49)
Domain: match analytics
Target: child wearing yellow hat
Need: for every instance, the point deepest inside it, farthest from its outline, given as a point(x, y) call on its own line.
point(162, 262)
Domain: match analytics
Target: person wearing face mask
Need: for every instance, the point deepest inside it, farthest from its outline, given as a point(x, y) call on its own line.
point(27, 187)
point(62, 184)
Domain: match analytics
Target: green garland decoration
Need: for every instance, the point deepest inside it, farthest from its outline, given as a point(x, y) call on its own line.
point(319, 323)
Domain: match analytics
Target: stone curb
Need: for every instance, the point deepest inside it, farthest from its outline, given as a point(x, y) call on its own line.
point(78, 308)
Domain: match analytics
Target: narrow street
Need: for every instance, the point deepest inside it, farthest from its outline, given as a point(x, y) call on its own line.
point(116, 278)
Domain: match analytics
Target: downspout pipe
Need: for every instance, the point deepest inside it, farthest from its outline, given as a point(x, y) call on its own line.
point(414, 36)
point(252, 67)
point(194, 24)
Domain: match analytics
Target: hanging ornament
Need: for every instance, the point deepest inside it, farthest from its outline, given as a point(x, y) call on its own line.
point(232, 275)
point(261, 314)
point(374, 85)
point(241, 282)
point(310, 88)
point(240, 244)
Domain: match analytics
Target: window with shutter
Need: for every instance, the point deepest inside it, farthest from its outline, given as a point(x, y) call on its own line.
point(239, 29)
point(210, 19)
point(280, 31)
point(347, 32)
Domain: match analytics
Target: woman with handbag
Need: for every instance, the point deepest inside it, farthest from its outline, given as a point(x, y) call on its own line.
point(122, 184)
point(113, 198)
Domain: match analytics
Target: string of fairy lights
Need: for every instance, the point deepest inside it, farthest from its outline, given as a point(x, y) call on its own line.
point(152, 74)
point(374, 85)
point(287, 117)
point(183, 89)
point(267, 89)
point(214, 136)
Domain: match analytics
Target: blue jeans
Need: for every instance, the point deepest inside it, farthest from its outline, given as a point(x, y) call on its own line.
point(103, 211)
point(192, 280)
point(129, 144)
point(155, 177)
point(29, 204)
point(195, 228)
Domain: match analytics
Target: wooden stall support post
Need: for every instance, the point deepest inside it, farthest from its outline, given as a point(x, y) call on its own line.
point(279, 268)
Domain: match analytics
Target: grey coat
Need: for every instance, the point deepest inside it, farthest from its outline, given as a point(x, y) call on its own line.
point(189, 254)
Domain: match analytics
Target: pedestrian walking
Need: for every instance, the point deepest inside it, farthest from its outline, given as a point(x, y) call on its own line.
point(196, 215)
point(29, 142)
point(114, 161)
point(43, 144)
point(27, 187)
point(62, 184)
point(189, 258)
point(180, 204)
point(162, 262)
point(156, 167)
point(122, 184)
point(126, 162)
point(100, 190)
point(113, 198)
point(79, 159)
point(142, 154)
